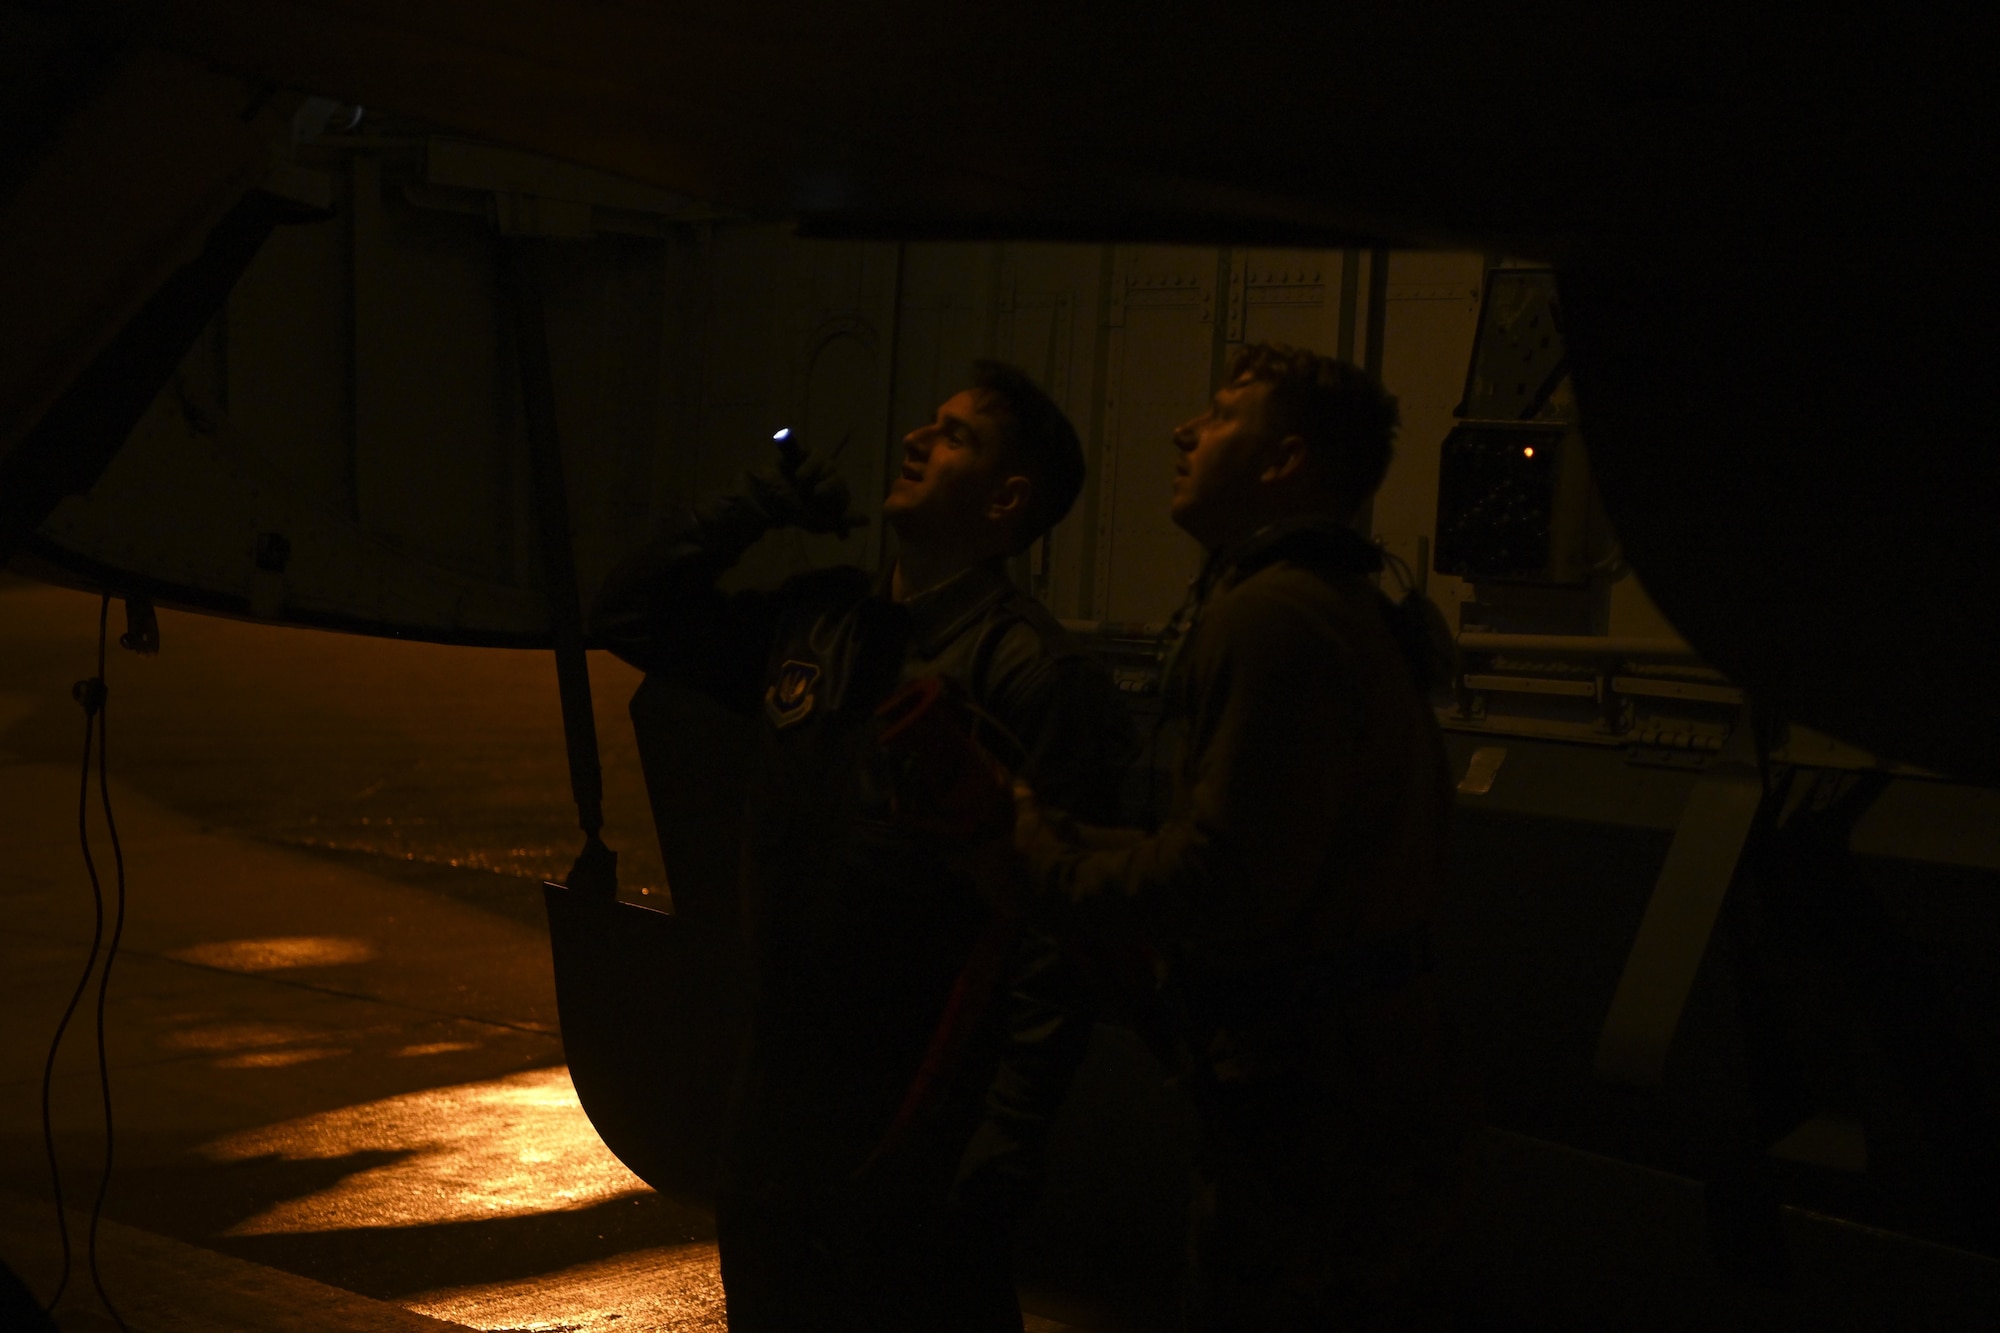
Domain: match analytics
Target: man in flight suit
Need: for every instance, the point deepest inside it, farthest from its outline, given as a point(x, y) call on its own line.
point(857, 1193)
point(1288, 891)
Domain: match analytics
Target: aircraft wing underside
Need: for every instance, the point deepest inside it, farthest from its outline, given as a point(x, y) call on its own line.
point(1767, 238)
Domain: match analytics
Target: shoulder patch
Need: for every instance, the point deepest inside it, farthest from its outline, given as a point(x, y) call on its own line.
point(790, 698)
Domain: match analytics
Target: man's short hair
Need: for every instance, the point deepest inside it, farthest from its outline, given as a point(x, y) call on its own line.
point(1038, 441)
point(1347, 420)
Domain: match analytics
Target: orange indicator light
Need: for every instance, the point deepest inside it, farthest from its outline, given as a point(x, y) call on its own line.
point(1528, 452)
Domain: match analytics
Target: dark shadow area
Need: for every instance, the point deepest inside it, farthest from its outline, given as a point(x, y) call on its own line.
point(1104, 1246)
point(1532, 937)
point(197, 1201)
point(390, 1262)
point(20, 1309)
point(191, 1199)
point(1875, 988)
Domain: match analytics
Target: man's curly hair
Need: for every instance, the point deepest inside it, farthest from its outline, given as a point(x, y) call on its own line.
point(1347, 420)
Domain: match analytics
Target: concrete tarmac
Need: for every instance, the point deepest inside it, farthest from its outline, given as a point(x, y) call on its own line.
point(331, 1026)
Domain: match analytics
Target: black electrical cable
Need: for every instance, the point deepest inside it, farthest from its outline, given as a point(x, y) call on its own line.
point(91, 694)
point(110, 957)
point(86, 693)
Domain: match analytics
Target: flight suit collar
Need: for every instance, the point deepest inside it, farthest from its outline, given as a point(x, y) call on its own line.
point(1325, 543)
point(1313, 539)
point(939, 615)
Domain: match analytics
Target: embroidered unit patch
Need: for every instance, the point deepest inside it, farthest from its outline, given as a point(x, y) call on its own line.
point(790, 699)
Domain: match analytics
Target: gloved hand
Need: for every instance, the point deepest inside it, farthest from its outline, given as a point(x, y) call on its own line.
point(802, 489)
point(1039, 830)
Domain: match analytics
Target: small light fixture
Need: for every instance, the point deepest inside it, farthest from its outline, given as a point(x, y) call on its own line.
point(1528, 452)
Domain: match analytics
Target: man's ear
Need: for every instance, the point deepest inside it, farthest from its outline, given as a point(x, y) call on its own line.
point(1288, 459)
point(1010, 498)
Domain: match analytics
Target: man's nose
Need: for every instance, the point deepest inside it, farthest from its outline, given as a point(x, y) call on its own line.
point(1184, 435)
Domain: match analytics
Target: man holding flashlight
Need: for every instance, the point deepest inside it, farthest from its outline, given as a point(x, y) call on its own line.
point(908, 1045)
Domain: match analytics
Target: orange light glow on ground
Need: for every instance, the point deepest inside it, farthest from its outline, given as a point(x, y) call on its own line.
point(507, 1147)
point(298, 1055)
point(434, 1048)
point(675, 1288)
point(238, 1036)
point(273, 955)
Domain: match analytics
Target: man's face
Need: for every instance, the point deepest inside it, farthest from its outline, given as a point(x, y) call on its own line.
point(1222, 456)
point(952, 469)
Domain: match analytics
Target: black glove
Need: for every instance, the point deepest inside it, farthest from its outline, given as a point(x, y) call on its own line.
point(802, 489)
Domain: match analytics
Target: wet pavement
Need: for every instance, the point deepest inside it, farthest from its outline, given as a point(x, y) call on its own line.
point(331, 1028)
point(369, 750)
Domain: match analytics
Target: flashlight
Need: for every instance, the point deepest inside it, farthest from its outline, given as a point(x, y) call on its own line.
point(784, 433)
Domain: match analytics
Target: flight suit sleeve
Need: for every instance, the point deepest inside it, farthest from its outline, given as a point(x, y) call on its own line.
point(660, 609)
point(1077, 738)
point(1046, 1012)
point(1272, 771)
